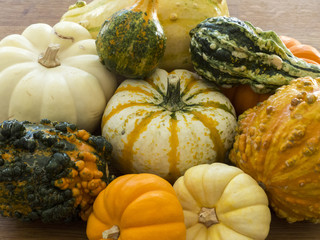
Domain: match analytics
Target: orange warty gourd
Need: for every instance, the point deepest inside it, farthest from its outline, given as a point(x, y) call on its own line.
point(243, 97)
point(137, 207)
point(277, 143)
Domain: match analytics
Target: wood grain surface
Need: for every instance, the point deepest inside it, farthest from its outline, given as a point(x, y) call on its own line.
point(299, 19)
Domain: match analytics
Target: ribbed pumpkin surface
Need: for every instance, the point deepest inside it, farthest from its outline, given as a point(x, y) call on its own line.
point(148, 134)
point(303, 51)
point(141, 206)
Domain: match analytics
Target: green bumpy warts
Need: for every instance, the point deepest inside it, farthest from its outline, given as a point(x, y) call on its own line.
point(131, 44)
point(231, 52)
point(50, 171)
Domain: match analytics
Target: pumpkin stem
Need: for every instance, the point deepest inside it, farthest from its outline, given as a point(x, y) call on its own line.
point(208, 217)
point(111, 233)
point(50, 59)
point(172, 101)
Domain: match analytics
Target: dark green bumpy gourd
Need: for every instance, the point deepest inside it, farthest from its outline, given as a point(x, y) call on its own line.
point(230, 52)
point(50, 171)
point(131, 42)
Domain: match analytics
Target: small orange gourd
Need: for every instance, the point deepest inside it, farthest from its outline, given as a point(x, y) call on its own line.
point(303, 51)
point(243, 97)
point(137, 207)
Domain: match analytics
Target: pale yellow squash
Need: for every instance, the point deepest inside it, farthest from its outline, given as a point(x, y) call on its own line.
point(221, 202)
point(54, 73)
point(176, 17)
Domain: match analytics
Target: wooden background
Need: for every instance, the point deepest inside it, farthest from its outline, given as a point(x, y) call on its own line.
point(295, 18)
point(299, 19)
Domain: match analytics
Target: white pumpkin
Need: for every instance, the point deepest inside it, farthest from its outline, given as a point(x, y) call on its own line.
point(221, 202)
point(168, 123)
point(54, 73)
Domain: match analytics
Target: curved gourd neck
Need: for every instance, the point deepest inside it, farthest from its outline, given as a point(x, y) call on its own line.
point(147, 6)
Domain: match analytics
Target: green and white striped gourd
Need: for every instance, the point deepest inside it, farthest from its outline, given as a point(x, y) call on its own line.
point(230, 52)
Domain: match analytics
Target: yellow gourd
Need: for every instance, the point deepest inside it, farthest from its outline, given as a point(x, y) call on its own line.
point(222, 202)
point(177, 19)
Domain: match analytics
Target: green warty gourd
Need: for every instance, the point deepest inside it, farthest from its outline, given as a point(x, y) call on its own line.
point(230, 52)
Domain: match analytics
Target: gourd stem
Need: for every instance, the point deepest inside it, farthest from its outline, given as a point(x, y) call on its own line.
point(172, 100)
point(81, 3)
point(208, 217)
point(147, 6)
point(50, 59)
point(78, 4)
point(111, 233)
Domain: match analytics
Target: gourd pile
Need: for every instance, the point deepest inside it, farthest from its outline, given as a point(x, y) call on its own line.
point(157, 121)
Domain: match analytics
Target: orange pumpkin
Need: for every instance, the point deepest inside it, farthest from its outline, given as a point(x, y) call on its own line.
point(303, 51)
point(243, 97)
point(137, 207)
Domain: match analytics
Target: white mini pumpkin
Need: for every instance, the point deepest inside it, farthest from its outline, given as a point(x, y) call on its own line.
point(54, 73)
point(221, 202)
point(168, 123)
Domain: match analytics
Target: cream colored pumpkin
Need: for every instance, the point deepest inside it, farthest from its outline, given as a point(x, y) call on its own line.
point(168, 123)
point(221, 202)
point(176, 17)
point(54, 73)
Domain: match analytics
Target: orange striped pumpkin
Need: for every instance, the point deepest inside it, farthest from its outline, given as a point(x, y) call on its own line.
point(168, 123)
